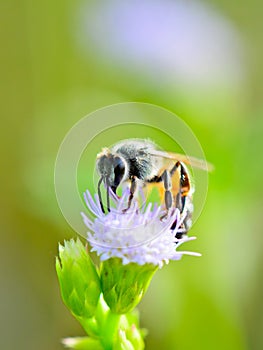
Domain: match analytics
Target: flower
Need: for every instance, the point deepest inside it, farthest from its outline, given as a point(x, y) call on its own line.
point(138, 235)
point(132, 244)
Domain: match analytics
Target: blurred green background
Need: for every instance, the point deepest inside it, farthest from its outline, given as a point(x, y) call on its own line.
point(202, 60)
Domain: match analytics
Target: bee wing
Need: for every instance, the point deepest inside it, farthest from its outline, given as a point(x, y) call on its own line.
point(195, 162)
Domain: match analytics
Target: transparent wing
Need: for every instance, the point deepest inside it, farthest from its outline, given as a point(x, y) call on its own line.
point(195, 162)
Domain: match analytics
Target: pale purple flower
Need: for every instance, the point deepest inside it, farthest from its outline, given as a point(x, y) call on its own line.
point(168, 40)
point(138, 235)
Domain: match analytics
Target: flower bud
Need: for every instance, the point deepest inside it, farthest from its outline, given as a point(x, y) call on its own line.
point(82, 343)
point(123, 286)
point(78, 278)
point(133, 334)
point(122, 343)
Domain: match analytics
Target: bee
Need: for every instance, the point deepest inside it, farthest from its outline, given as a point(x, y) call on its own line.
point(142, 163)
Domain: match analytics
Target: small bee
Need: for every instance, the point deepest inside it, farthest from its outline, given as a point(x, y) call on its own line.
point(141, 163)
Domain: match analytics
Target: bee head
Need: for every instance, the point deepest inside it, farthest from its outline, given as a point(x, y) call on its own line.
point(112, 170)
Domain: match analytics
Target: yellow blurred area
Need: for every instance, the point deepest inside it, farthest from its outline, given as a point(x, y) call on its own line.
point(203, 61)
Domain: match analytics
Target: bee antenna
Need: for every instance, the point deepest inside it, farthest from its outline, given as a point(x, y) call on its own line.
point(99, 194)
point(108, 194)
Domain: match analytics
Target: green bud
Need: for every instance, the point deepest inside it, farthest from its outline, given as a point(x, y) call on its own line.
point(130, 324)
point(123, 286)
point(78, 278)
point(82, 343)
point(122, 343)
point(135, 337)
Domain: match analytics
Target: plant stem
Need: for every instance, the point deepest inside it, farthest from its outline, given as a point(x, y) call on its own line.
point(110, 329)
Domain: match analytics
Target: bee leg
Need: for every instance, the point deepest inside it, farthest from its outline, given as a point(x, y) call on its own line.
point(168, 197)
point(174, 168)
point(179, 199)
point(166, 178)
point(132, 191)
point(100, 197)
point(184, 187)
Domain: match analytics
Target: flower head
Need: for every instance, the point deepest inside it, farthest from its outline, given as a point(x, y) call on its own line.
point(138, 235)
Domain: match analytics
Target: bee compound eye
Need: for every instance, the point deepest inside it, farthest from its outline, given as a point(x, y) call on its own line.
point(119, 170)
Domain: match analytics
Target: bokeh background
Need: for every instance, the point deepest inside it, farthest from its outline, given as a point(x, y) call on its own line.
point(202, 60)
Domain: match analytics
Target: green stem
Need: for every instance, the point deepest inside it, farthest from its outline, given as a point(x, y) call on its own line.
point(110, 329)
point(90, 326)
